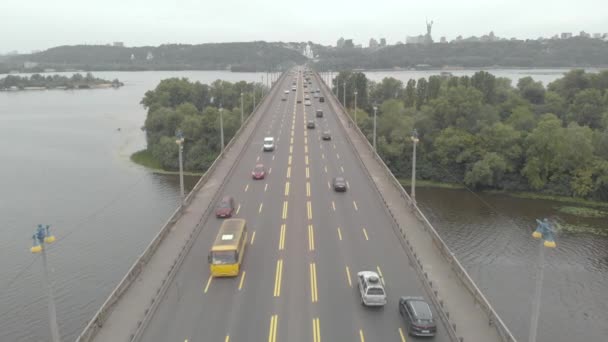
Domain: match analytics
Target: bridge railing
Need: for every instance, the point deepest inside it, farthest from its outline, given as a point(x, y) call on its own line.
point(96, 323)
point(493, 318)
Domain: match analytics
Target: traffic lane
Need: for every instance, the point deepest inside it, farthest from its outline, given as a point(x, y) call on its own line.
point(392, 259)
point(172, 320)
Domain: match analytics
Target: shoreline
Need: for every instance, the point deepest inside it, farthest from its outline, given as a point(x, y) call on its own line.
point(145, 159)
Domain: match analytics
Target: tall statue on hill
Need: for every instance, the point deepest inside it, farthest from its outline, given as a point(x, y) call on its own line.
point(428, 38)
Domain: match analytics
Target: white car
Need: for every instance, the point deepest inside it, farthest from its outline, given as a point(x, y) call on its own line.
point(371, 288)
point(268, 144)
point(286, 92)
point(307, 103)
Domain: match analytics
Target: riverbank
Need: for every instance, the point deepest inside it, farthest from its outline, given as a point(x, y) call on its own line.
point(147, 160)
point(59, 82)
point(599, 209)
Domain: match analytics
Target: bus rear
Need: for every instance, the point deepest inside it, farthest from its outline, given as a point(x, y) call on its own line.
point(226, 255)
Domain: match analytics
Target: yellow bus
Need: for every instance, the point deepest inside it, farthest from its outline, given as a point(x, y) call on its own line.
point(226, 255)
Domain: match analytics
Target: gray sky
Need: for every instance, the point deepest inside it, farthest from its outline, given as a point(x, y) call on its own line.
point(39, 24)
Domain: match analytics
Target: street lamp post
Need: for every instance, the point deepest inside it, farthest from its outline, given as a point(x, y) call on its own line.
point(415, 140)
point(546, 233)
point(180, 145)
point(242, 109)
point(344, 94)
point(41, 237)
point(355, 107)
point(222, 127)
point(375, 110)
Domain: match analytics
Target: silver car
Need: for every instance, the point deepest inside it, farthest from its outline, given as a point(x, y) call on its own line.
point(371, 288)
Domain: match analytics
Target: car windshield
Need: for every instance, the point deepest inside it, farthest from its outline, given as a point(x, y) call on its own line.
point(375, 291)
point(258, 169)
point(423, 312)
point(268, 141)
point(223, 257)
point(224, 204)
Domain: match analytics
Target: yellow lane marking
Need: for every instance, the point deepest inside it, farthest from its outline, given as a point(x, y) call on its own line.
point(272, 157)
point(227, 338)
point(380, 273)
point(309, 210)
point(347, 184)
point(284, 216)
point(272, 333)
point(339, 234)
point(325, 169)
point(287, 189)
point(305, 140)
point(282, 238)
point(313, 282)
point(288, 171)
point(307, 172)
point(311, 238)
point(342, 169)
point(291, 140)
point(316, 330)
point(401, 335)
point(258, 159)
point(290, 149)
point(328, 186)
point(305, 148)
point(261, 206)
point(355, 205)
point(305, 133)
point(292, 132)
point(365, 233)
point(270, 171)
point(208, 283)
point(252, 237)
point(334, 145)
point(350, 284)
point(238, 209)
point(322, 155)
point(246, 187)
point(242, 280)
point(307, 189)
point(333, 205)
point(277, 278)
point(338, 155)
point(289, 160)
point(361, 335)
point(265, 187)
point(306, 159)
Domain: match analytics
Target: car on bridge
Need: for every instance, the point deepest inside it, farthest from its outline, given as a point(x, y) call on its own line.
point(259, 172)
point(321, 99)
point(371, 289)
point(310, 124)
point(293, 88)
point(286, 92)
point(268, 144)
point(418, 316)
point(339, 184)
point(326, 135)
point(319, 113)
point(225, 207)
point(307, 103)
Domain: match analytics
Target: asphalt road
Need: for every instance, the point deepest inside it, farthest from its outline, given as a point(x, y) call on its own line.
point(306, 244)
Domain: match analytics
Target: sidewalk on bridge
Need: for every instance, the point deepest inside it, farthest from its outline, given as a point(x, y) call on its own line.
point(471, 321)
point(124, 318)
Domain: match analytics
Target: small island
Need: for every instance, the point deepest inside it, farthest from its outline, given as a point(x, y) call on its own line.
point(42, 82)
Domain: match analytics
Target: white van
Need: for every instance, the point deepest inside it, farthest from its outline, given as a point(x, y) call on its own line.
point(269, 144)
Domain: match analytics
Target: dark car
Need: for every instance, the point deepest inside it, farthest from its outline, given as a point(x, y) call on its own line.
point(339, 184)
point(326, 135)
point(418, 316)
point(319, 113)
point(225, 207)
point(321, 99)
point(299, 100)
point(259, 172)
point(310, 124)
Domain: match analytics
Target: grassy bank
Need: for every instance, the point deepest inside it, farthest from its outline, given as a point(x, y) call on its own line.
point(146, 159)
point(406, 183)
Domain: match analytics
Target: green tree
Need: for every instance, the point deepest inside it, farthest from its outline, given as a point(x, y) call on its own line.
point(486, 84)
point(421, 92)
point(434, 87)
point(587, 108)
point(544, 145)
point(410, 93)
point(522, 119)
point(486, 172)
point(531, 90)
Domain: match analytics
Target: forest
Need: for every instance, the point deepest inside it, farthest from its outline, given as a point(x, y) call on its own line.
point(486, 133)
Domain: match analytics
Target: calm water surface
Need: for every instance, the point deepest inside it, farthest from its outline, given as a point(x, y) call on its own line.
point(64, 163)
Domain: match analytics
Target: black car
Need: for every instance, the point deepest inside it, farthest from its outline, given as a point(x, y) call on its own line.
point(418, 316)
point(339, 184)
point(326, 135)
point(299, 100)
point(319, 113)
point(310, 124)
point(321, 99)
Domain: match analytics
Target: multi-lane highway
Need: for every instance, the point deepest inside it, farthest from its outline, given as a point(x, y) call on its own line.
point(305, 245)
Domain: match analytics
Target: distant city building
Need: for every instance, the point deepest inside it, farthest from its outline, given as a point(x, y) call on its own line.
point(348, 43)
point(340, 43)
point(359, 46)
point(150, 56)
point(373, 43)
point(414, 39)
point(443, 40)
point(132, 57)
point(566, 35)
point(118, 44)
point(29, 65)
point(49, 70)
point(584, 34)
point(382, 42)
point(458, 39)
point(597, 36)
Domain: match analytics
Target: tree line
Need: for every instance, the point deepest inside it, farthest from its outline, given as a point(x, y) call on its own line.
point(53, 81)
point(194, 108)
point(488, 134)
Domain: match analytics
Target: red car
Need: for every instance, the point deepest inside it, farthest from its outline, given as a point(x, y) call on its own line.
point(258, 172)
point(225, 207)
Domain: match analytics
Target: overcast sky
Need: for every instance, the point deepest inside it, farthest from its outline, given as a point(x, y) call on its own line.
point(27, 25)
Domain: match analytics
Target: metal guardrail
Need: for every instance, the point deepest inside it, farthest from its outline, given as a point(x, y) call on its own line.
point(95, 324)
point(480, 299)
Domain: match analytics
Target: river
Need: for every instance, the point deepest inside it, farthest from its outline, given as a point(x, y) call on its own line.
point(65, 163)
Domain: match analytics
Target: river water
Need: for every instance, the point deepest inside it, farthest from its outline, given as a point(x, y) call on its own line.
point(65, 163)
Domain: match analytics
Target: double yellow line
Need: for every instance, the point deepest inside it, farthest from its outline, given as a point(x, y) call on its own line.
point(285, 204)
point(272, 333)
point(309, 210)
point(311, 238)
point(286, 188)
point(282, 238)
point(277, 278)
point(313, 283)
point(316, 330)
